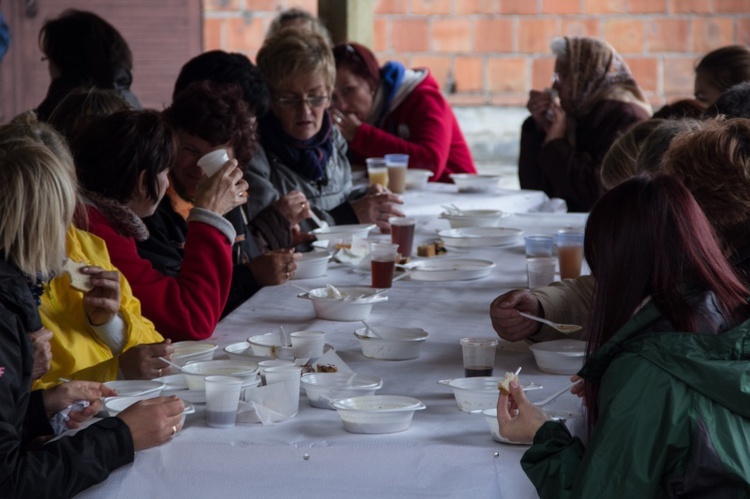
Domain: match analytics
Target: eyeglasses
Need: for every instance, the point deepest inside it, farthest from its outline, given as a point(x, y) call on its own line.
point(314, 101)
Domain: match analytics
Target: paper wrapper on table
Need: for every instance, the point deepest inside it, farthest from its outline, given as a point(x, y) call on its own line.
point(267, 404)
point(355, 255)
point(554, 205)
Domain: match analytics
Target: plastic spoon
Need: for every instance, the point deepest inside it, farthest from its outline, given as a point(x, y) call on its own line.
point(298, 287)
point(284, 337)
point(554, 396)
point(563, 328)
point(373, 331)
point(320, 223)
point(179, 368)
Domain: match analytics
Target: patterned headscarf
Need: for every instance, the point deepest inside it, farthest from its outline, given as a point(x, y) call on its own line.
point(596, 72)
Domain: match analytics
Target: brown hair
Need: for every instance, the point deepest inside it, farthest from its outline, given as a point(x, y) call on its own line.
point(112, 151)
point(218, 114)
point(82, 104)
point(725, 66)
point(619, 164)
point(360, 61)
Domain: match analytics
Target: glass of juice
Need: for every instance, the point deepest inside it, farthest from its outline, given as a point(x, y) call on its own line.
point(382, 261)
point(570, 253)
point(402, 233)
point(377, 172)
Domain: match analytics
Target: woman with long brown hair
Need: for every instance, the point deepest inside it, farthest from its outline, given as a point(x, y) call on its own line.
point(667, 409)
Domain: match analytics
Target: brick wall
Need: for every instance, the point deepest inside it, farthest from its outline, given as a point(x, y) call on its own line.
point(497, 50)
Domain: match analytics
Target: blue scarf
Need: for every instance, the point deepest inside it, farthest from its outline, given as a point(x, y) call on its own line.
point(308, 158)
point(391, 77)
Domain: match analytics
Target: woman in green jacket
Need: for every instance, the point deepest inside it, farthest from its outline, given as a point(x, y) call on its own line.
point(666, 385)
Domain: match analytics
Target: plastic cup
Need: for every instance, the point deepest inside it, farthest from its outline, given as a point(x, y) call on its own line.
point(288, 377)
point(570, 253)
point(397, 164)
point(383, 261)
point(222, 400)
point(479, 356)
point(539, 246)
point(213, 161)
point(265, 364)
point(541, 271)
point(377, 172)
point(402, 233)
point(307, 344)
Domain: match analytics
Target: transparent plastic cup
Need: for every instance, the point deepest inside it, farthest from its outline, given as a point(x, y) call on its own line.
point(479, 356)
point(570, 253)
point(541, 271)
point(397, 164)
point(539, 246)
point(222, 400)
point(377, 172)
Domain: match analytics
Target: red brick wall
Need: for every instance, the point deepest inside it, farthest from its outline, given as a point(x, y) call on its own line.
point(497, 50)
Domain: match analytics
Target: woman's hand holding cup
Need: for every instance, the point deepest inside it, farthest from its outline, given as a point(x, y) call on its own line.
point(223, 191)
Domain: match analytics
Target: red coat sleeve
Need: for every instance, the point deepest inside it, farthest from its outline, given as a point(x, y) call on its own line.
point(185, 307)
point(429, 118)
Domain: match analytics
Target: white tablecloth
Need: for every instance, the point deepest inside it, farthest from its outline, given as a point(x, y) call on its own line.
point(445, 453)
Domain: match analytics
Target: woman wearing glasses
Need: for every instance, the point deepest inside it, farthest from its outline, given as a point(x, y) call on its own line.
point(301, 150)
point(396, 110)
point(593, 100)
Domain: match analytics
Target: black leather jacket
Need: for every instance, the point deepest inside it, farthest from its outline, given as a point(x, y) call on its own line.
point(68, 465)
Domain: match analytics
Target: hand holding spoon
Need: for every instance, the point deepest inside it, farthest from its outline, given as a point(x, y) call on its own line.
point(563, 328)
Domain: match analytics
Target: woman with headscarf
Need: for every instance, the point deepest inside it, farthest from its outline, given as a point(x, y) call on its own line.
point(396, 110)
point(564, 140)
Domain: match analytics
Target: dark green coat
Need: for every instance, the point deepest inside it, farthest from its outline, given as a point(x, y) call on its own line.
point(674, 418)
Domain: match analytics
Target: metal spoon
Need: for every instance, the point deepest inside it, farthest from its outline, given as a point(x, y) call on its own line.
point(563, 328)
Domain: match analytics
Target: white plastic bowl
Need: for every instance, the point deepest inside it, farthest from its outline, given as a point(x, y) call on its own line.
point(377, 413)
point(269, 345)
point(195, 371)
point(344, 232)
point(350, 308)
point(140, 389)
point(490, 416)
point(313, 264)
point(478, 393)
point(193, 351)
point(323, 389)
point(398, 343)
point(116, 405)
point(416, 178)
point(474, 218)
point(243, 352)
point(559, 356)
point(469, 182)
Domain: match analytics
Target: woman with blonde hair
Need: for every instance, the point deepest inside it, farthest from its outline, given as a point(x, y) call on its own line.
point(301, 149)
point(37, 200)
point(594, 98)
point(110, 336)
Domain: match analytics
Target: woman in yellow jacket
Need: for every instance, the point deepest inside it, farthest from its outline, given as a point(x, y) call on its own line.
point(78, 352)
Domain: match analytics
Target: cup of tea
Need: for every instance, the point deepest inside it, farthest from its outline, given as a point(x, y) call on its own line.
point(570, 253)
point(479, 356)
point(377, 171)
point(402, 234)
point(213, 161)
point(382, 262)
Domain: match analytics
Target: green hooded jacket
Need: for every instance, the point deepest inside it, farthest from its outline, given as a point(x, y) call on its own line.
point(674, 419)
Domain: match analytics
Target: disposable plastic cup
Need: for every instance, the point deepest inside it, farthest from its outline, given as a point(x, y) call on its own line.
point(541, 271)
point(265, 364)
point(397, 164)
point(288, 377)
point(383, 261)
point(213, 161)
point(222, 400)
point(539, 246)
point(570, 253)
point(306, 344)
point(479, 356)
point(377, 172)
point(402, 233)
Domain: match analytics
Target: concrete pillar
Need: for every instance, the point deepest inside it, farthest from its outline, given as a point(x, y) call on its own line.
point(348, 20)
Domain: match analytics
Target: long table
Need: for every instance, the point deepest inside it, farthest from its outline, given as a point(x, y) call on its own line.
point(445, 452)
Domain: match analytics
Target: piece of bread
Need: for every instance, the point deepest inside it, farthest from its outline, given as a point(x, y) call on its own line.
point(78, 280)
point(427, 250)
point(504, 384)
point(327, 368)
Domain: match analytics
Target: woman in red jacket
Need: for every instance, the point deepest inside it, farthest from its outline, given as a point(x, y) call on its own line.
point(122, 161)
point(396, 110)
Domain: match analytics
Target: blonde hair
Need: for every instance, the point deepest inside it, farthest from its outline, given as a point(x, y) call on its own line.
point(289, 16)
point(37, 202)
point(291, 53)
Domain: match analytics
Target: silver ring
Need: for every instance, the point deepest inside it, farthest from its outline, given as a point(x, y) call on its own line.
point(174, 431)
point(338, 119)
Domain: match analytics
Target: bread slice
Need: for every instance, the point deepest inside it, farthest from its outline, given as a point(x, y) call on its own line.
point(504, 384)
point(78, 280)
